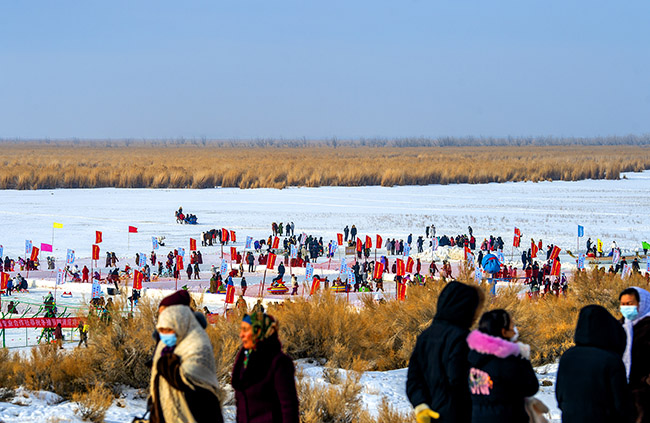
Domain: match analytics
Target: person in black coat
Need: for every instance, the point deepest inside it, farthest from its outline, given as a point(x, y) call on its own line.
point(500, 376)
point(438, 372)
point(591, 383)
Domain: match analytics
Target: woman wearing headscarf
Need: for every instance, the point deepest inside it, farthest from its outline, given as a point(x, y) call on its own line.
point(500, 376)
point(183, 376)
point(635, 308)
point(263, 376)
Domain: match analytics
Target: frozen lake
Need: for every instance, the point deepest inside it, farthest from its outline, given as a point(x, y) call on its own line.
point(610, 210)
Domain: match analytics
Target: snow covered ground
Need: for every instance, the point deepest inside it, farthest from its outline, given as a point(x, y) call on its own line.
point(610, 210)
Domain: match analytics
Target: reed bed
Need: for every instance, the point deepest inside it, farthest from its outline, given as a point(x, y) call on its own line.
point(43, 165)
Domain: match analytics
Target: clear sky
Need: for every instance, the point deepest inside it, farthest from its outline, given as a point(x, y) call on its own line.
point(346, 69)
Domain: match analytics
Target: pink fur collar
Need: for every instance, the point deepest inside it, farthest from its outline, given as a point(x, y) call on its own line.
point(486, 344)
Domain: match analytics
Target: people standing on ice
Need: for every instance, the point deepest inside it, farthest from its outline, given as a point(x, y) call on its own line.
point(263, 377)
point(184, 385)
point(500, 374)
point(635, 308)
point(114, 260)
point(189, 271)
point(243, 285)
point(591, 384)
point(353, 233)
point(251, 262)
point(346, 231)
point(196, 271)
point(438, 373)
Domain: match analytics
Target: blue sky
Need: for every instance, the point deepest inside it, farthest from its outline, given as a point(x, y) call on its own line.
point(346, 69)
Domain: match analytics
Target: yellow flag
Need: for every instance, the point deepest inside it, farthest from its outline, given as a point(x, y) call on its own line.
point(58, 225)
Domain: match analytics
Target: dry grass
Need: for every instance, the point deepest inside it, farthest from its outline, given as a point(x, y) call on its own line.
point(43, 165)
point(92, 405)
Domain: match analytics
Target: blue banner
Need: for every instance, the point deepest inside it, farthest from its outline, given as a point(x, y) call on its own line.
point(154, 243)
point(1, 251)
point(501, 257)
point(97, 289)
point(60, 280)
point(407, 250)
point(249, 242)
point(309, 272)
point(581, 261)
point(181, 252)
point(143, 260)
point(581, 231)
point(224, 267)
point(294, 252)
point(70, 256)
point(28, 247)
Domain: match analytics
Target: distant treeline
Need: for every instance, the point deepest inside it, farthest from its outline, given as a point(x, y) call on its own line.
point(643, 139)
point(254, 164)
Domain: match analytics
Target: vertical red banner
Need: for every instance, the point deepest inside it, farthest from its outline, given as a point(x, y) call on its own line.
point(276, 243)
point(138, 278)
point(98, 237)
point(378, 273)
point(339, 239)
point(95, 255)
point(233, 236)
point(35, 252)
point(230, 294)
point(400, 267)
point(409, 265)
point(270, 262)
point(379, 241)
point(368, 242)
point(315, 286)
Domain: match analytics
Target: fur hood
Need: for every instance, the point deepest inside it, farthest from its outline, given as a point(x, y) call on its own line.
point(490, 345)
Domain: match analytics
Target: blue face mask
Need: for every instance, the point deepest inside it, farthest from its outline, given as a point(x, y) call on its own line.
point(168, 339)
point(630, 312)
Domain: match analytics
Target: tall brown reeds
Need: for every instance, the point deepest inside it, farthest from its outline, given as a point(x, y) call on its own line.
point(42, 165)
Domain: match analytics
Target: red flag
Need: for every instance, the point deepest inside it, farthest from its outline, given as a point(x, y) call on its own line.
point(368, 242)
point(98, 237)
point(4, 280)
point(233, 236)
point(466, 251)
point(517, 231)
point(409, 265)
point(378, 273)
point(233, 253)
point(339, 239)
point(359, 245)
point(533, 250)
point(379, 241)
point(315, 286)
point(516, 241)
point(179, 263)
point(555, 269)
point(276, 243)
point(400, 267)
point(95, 255)
point(401, 291)
point(555, 252)
point(225, 234)
point(133, 229)
point(138, 277)
point(270, 261)
point(230, 294)
point(35, 252)
point(192, 244)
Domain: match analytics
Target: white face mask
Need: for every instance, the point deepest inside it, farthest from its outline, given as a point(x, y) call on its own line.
point(516, 335)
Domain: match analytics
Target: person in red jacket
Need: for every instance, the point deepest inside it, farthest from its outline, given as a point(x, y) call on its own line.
point(85, 272)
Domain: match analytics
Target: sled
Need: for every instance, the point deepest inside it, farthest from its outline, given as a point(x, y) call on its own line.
point(278, 290)
point(338, 288)
point(66, 295)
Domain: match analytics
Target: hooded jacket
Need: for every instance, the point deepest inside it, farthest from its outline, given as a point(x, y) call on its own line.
point(500, 379)
point(438, 370)
point(591, 383)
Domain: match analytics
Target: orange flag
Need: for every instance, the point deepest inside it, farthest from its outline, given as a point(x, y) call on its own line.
point(98, 237)
point(95, 255)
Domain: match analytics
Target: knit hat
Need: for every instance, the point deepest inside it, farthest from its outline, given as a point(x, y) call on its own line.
point(180, 297)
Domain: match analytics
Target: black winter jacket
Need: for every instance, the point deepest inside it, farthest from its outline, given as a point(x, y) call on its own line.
point(591, 382)
point(499, 380)
point(438, 370)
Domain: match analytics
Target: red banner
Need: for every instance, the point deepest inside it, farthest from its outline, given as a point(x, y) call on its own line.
point(233, 236)
point(368, 242)
point(35, 252)
point(138, 277)
point(516, 241)
point(95, 255)
point(555, 252)
point(315, 286)
point(98, 237)
point(179, 263)
point(359, 245)
point(339, 239)
point(533, 250)
point(555, 269)
point(378, 273)
point(4, 280)
point(233, 253)
point(276, 243)
point(379, 241)
point(270, 261)
point(133, 229)
point(39, 322)
point(400, 267)
point(409, 265)
point(230, 294)
point(225, 235)
point(401, 291)
point(192, 244)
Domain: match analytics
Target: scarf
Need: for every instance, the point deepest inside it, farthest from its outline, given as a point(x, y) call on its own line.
point(197, 369)
point(628, 325)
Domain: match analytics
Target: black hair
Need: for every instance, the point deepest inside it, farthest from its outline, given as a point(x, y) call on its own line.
point(630, 291)
point(493, 321)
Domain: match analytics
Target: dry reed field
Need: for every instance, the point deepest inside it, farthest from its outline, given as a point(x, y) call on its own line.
point(123, 164)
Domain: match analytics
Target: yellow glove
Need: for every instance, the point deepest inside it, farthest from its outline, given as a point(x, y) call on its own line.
point(424, 414)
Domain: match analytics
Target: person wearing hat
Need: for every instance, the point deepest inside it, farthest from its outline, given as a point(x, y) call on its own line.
point(184, 385)
point(263, 377)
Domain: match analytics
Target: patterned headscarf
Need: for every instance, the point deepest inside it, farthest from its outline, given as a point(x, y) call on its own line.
point(264, 326)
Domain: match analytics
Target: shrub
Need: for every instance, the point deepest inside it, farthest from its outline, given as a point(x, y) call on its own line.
point(93, 404)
